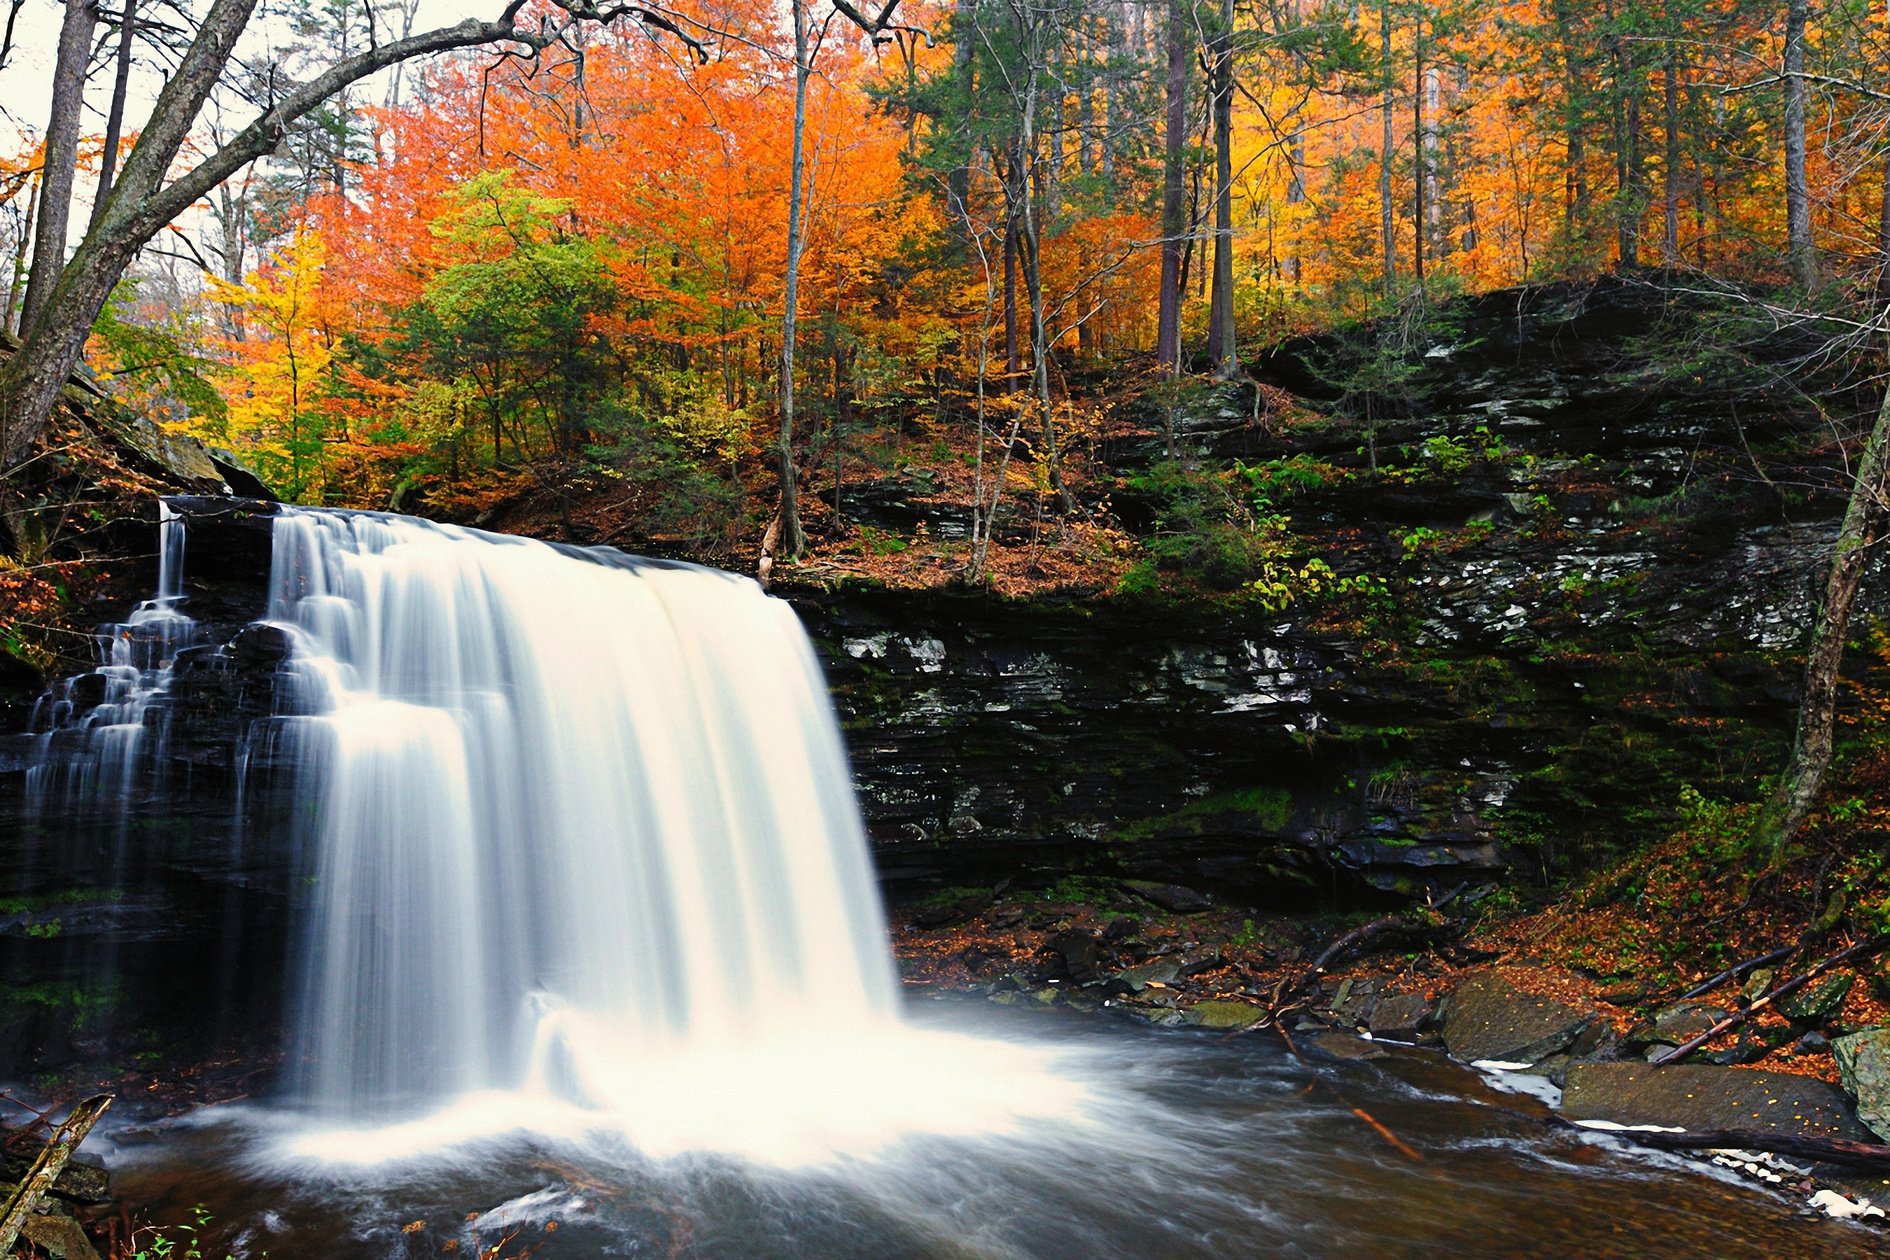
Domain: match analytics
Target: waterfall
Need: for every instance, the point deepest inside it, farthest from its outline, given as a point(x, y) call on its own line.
point(574, 849)
point(566, 803)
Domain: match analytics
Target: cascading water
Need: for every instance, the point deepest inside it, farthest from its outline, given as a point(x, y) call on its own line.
point(577, 851)
point(567, 807)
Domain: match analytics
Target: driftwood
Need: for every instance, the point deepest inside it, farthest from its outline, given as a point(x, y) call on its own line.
point(46, 1169)
point(1865, 1155)
point(1786, 989)
point(1350, 942)
point(1736, 970)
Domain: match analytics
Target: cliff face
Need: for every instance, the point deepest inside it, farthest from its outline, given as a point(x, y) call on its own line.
point(1585, 582)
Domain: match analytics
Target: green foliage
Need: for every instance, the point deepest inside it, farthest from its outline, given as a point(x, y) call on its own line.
point(1203, 528)
point(1276, 480)
point(1283, 583)
point(151, 366)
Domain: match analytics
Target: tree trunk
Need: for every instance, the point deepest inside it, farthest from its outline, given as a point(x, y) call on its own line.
point(1387, 214)
point(1174, 208)
point(62, 156)
point(143, 204)
point(1670, 218)
point(1858, 536)
point(790, 537)
point(1417, 155)
point(1013, 356)
point(1575, 184)
point(1030, 246)
point(1883, 237)
point(16, 285)
point(1799, 246)
point(115, 117)
point(1223, 351)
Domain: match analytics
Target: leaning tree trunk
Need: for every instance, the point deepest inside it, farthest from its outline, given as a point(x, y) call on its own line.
point(1863, 527)
point(62, 155)
point(115, 115)
point(142, 204)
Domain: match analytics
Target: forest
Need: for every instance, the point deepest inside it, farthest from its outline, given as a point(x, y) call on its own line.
point(1316, 542)
point(693, 249)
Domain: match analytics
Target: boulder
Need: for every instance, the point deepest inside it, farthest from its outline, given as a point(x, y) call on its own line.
point(1677, 1025)
point(1863, 1061)
point(1401, 1017)
point(1700, 1096)
point(1079, 954)
point(59, 1237)
point(1487, 1017)
point(1224, 1015)
point(1162, 971)
point(1818, 1000)
point(1173, 898)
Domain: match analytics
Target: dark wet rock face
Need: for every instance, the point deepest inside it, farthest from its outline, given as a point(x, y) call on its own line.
point(1703, 1097)
point(1486, 1018)
point(1863, 1061)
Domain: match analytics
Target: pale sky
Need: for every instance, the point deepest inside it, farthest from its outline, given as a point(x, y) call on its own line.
point(26, 81)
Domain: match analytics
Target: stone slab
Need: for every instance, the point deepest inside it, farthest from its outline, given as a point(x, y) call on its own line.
point(1701, 1096)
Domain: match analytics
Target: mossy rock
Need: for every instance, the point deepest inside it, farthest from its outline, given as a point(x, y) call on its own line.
point(1225, 1015)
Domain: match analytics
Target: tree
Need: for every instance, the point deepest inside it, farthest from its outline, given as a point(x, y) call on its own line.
point(1174, 208)
point(1799, 247)
point(786, 527)
point(143, 202)
point(61, 161)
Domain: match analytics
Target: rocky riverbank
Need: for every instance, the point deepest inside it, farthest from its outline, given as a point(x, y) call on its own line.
point(1766, 1098)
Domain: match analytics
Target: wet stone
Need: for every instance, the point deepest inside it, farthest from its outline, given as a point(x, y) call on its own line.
point(1677, 1025)
point(1402, 1017)
point(1863, 1061)
point(1700, 1096)
point(1486, 1017)
point(1818, 1000)
point(1225, 1015)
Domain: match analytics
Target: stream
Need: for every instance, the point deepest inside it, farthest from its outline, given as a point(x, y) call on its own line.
point(1178, 1144)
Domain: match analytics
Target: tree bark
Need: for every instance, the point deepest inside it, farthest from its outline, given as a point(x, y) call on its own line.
point(1802, 251)
point(1174, 207)
point(1863, 528)
point(62, 156)
point(1223, 351)
point(790, 537)
point(46, 1169)
point(115, 116)
point(1417, 155)
point(1670, 177)
point(1387, 213)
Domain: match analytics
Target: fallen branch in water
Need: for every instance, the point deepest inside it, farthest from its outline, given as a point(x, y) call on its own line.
point(1844, 1151)
point(1786, 989)
point(46, 1169)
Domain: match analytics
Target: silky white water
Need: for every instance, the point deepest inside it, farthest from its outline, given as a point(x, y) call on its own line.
point(583, 856)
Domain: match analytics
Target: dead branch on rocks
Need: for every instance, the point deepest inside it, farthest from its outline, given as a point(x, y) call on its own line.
point(46, 1169)
point(1789, 987)
point(1424, 921)
point(1737, 970)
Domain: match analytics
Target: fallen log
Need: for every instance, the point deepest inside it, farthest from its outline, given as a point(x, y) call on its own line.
point(46, 1169)
point(1736, 970)
point(1870, 1156)
point(1785, 989)
point(1352, 942)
